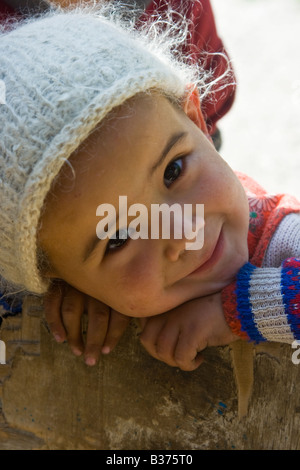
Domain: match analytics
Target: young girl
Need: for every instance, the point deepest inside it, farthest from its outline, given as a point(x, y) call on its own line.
point(92, 113)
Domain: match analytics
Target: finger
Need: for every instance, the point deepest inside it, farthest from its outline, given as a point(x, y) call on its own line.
point(72, 309)
point(52, 308)
point(189, 364)
point(116, 328)
point(150, 334)
point(194, 364)
point(98, 320)
point(187, 353)
point(166, 344)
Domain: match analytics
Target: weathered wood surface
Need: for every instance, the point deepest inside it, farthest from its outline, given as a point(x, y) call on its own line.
point(51, 400)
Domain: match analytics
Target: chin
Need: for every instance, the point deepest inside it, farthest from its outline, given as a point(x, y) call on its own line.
point(149, 311)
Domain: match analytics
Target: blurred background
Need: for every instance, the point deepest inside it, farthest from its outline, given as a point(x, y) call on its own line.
point(261, 133)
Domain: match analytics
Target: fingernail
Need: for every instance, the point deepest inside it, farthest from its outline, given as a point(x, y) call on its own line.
point(90, 361)
point(105, 350)
point(57, 338)
point(76, 351)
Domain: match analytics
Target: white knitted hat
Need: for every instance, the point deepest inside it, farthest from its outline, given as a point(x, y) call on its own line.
point(63, 74)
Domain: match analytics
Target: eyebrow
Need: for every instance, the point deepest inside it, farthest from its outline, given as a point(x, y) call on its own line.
point(92, 245)
point(174, 139)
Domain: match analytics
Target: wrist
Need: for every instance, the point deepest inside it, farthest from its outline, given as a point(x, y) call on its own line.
point(262, 304)
point(221, 332)
point(229, 303)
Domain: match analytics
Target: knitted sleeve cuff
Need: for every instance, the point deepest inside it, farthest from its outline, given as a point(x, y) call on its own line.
point(263, 304)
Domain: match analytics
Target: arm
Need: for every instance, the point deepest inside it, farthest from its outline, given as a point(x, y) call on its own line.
point(263, 304)
point(177, 337)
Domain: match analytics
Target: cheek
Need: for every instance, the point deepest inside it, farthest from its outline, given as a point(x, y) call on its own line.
point(140, 285)
point(211, 183)
point(227, 194)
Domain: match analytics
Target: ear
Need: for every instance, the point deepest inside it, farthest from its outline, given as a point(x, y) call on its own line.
point(192, 107)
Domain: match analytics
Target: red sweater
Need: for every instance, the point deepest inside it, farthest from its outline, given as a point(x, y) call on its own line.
point(5, 11)
point(263, 303)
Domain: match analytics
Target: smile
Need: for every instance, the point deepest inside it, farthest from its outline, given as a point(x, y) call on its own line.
point(214, 257)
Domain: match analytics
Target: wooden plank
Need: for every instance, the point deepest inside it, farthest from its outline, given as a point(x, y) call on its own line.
point(131, 401)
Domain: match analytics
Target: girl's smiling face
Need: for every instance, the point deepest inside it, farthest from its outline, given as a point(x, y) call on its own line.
point(152, 152)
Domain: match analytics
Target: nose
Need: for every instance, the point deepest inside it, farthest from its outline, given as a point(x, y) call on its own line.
point(187, 233)
point(174, 249)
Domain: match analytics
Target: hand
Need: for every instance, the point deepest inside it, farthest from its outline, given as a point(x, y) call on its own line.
point(64, 306)
point(177, 337)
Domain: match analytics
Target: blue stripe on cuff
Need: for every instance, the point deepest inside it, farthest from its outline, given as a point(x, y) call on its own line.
point(290, 287)
point(244, 306)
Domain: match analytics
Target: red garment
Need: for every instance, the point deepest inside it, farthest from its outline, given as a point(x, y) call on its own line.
point(5, 11)
point(203, 39)
point(265, 214)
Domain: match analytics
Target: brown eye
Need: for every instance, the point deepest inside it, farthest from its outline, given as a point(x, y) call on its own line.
point(118, 240)
point(172, 172)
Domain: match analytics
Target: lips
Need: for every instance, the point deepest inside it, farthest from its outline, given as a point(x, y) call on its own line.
point(213, 258)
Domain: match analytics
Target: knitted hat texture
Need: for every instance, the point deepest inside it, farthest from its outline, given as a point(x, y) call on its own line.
point(63, 74)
